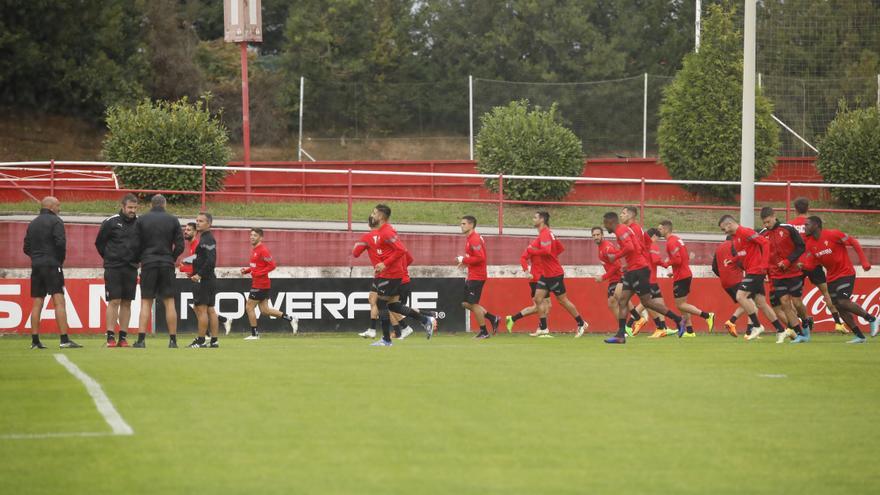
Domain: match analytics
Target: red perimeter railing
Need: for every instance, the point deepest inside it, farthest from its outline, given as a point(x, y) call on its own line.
point(51, 181)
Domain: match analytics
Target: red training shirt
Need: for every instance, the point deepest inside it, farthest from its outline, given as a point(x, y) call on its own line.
point(830, 251)
point(186, 263)
point(753, 248)
point(725, 264)
point(613, 271)
point(786, 247)
point(678, 258)
point(260, 266)
point(391, 252)
point(548, 249)
point(475, 256)
point(630, 249)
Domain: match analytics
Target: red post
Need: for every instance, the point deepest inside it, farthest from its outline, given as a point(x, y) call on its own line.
point(245, 118)
point(432, 179)
point(52, 178)
point(787, 200)
point(349, 198)
point(642, 203)
point(302, 166)
point(204, 185)
point(500, 204)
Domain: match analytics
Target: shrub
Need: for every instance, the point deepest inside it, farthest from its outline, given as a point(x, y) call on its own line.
point(850, 154)
point(700, 132)
point(518, 141)
point(177, 132)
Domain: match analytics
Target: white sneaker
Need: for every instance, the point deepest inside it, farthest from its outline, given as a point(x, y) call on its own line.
point(294, 325)
point(227, 325)
point(581, 329)
point(252, 337)
point(405, 332)
point(368, 334)
point(539, 332)
point(756, 332)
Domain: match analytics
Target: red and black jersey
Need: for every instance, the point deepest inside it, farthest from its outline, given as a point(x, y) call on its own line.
point(475, 257)
point(678, 258)
point(613, 272)
point(726, 264)
point(800, 224)
point(830, 251)
point(753, 248)
point(630, 249)
point(548, 249)
point(368, 242)
point(531, 260)
point(786, 247)
point(260, 266)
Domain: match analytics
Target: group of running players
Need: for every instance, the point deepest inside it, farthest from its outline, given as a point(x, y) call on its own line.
point(786, 253)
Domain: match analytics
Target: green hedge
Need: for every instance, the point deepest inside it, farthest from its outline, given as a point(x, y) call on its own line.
point(177, 132)
point(516, 140)
point(850, 154)
point(700, 132)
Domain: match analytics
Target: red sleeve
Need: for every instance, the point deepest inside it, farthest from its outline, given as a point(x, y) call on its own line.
point(360, 246)
point(626, 244)
point(478, 254)
point(851, 241)
point(545, 243)
point(560, 248)
point(268, 264)
point(674, 250)
point(524, 260)
point(398, 249)
point(765, 248)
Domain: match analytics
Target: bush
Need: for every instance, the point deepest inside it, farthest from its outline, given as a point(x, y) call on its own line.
point(850, 154)
point(700, 132)
point(166, 132)
point(516, 141)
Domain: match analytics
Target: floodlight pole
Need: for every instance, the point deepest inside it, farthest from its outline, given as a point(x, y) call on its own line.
point(299, 150)
point(697, 27)
point(747, 184)
point(245, 117)
point(471, 115)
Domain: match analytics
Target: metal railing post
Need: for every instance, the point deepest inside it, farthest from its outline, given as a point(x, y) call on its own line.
point(205, 185)
point(52, 178)
point(349, 199)
point(432, 179)
point(500, 204)
point(303, 175)
point(642, 203)
point(787, 200)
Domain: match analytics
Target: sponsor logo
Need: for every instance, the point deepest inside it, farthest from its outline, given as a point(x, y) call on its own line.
point(817, 308)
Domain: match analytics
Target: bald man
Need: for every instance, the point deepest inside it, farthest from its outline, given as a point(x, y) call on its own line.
point(46, 246)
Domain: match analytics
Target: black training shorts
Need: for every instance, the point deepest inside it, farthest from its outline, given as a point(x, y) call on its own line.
point(793, 286)
point(842, 288)
point(157, 282)
point(752, 283)
point(205, 292)
point(120, 283)
point(555, 285)
point(681, 288)
point(258, 294)
point(638, 281)
point(473, 290)
point(46, 280)
point(816, 276)
point(386, 287)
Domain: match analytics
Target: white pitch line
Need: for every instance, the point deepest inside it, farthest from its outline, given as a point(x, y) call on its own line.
point(102, 402)
point(36, 436)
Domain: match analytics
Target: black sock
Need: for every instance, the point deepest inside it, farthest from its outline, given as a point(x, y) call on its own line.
point(491, 317)
point(836, 317)
point(542, 323)
point(386, 330)
point(254, 331)
point(630, 322)
point(483, 330)
point(213, 340)
point(778, 326)
point(35, 338)
point(749, 329)
point(123, 334)
point(704, 315)
point(858, 332)
point(808, 322)
point(579, 320)
point(221, 318)
point(111, 335)
point(733, 319)
point(517, 316)
point(200, 340)
point(754, 319)
point(635, 314)
point(689, 329)
point(798, 330)
point(399, 308)
point(173, 338)
point(395, 330)
point(674, 317)
point(374, 323)
point(659, 323)
point(64, 338)
point(287, 317)
point(621, 327)
point(870, 318)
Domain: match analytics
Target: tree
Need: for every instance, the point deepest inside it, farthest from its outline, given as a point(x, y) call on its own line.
point(166, 132)
point(517, 140)
point(850, 154)
point(701, 115)
point(72, 58)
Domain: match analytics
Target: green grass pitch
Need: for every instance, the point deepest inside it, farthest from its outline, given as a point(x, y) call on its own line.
point(510, 415)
